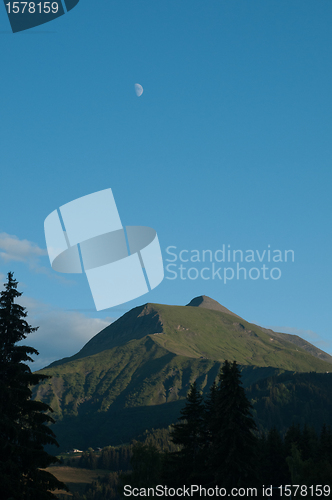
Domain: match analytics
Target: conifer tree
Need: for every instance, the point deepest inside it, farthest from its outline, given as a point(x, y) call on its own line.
point(325, 444)
point(23, 421)
point(233, 455)
point(292, 436)
point(308, 442)
point(324, 457)
point(146, 463)
point(209, 414)
point(274, 468)
point(189, 434)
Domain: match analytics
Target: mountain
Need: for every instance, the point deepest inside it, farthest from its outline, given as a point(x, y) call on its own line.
point(208, 303)
point(135, 374)
point(205, 328)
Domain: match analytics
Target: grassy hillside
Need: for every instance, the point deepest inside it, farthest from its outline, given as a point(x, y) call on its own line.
point(75, 478)
point(201, 332)
point(196, 332)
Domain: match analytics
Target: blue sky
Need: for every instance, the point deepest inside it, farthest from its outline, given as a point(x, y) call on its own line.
point(230, 144)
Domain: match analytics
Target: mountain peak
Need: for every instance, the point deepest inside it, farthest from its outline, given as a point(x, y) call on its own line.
point(208, 303)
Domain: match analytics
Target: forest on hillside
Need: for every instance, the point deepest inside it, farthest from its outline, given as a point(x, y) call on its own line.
point(216, 443)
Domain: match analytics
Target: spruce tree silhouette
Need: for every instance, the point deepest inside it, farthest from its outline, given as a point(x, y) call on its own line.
point(233, 455)
point(189, 434)
point(210, 408)
point(23, 421)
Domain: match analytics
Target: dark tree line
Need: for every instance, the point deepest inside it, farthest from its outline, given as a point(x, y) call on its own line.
point(218, 444)
point(110, 458)
point(215, 442)
point(23, 421)
point(300, 457)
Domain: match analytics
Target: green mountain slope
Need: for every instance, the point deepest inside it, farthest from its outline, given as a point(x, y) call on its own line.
point(204, 332)
point(135, 374)
point(289, 398)
point(298, 341)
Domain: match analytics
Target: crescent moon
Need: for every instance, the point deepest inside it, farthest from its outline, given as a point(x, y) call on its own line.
point(138, 89)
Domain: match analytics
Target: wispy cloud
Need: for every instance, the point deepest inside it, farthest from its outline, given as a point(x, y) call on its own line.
point(14, 249)
point(61, 333)
point(2, 281)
